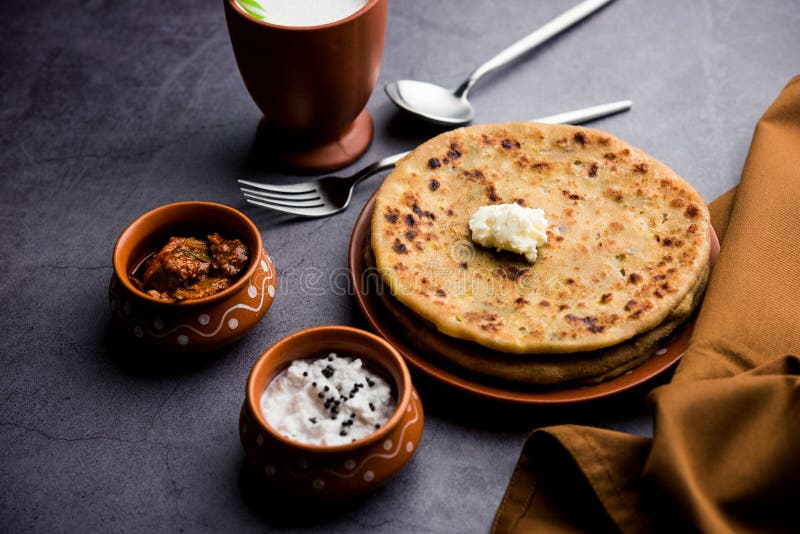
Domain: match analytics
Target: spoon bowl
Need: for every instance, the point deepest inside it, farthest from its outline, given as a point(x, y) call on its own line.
point(430, 101)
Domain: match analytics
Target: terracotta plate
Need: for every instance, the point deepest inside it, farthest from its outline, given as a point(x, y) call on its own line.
point(382, 321)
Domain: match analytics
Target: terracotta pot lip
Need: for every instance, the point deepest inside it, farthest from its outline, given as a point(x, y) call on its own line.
point(235, 6)
point(120, 268)
point(253, 397)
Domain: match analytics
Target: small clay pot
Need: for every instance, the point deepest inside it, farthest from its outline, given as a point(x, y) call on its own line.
point(192, 325)
point(341, 470)
point(311, 83)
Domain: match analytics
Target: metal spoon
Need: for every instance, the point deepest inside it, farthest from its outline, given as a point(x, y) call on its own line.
point(444, 106)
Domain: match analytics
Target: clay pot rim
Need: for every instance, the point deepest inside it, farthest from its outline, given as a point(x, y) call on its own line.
point(241, 12)
point(131, 234)
point(253, 397)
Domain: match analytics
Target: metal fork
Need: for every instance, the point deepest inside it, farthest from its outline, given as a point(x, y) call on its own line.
point(332, 194)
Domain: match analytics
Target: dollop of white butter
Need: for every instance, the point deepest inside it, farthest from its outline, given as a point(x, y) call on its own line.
point(510, 227)
point(328, 401)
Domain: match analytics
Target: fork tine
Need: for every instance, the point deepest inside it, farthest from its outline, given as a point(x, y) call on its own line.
point(314, 195)
point(304, 212)
point(289, 203)
point(305, 187)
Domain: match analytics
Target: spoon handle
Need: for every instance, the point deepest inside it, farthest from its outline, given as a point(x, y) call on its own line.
point(531, 41)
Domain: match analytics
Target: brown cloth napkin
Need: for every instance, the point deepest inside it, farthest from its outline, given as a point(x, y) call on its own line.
point(725, 452)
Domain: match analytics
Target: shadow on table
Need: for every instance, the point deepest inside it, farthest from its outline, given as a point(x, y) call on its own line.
point(400, 127)
point(472, 411)
point(407, 128)
point(281, 509)
point(135, 358)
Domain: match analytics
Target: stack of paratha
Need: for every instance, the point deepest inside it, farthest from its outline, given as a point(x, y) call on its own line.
point(626, 261)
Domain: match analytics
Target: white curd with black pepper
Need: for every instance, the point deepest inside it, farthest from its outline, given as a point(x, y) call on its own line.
point(332, 400)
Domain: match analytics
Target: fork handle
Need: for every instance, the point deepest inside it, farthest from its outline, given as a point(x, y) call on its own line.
point(579, 116)
point(380, 165)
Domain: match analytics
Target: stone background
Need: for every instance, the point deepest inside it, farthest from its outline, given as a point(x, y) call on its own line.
point(109, 109)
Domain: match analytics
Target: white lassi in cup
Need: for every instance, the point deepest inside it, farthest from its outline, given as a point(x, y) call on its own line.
point(300, 12)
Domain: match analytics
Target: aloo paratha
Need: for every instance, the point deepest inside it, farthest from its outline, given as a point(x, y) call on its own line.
point(578, 368)
point(628, 238)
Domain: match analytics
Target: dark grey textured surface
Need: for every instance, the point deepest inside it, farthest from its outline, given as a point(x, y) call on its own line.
point(109, 110)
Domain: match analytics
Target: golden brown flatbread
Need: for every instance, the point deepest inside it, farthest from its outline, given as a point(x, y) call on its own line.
point(628, 238)
point(545, 370)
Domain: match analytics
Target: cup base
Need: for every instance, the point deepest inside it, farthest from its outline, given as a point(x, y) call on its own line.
point(318, 158)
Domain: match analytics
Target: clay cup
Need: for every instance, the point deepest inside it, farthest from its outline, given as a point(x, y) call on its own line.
point(311, 83)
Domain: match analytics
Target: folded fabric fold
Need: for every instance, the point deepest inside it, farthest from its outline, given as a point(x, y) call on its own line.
point(725, 453)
